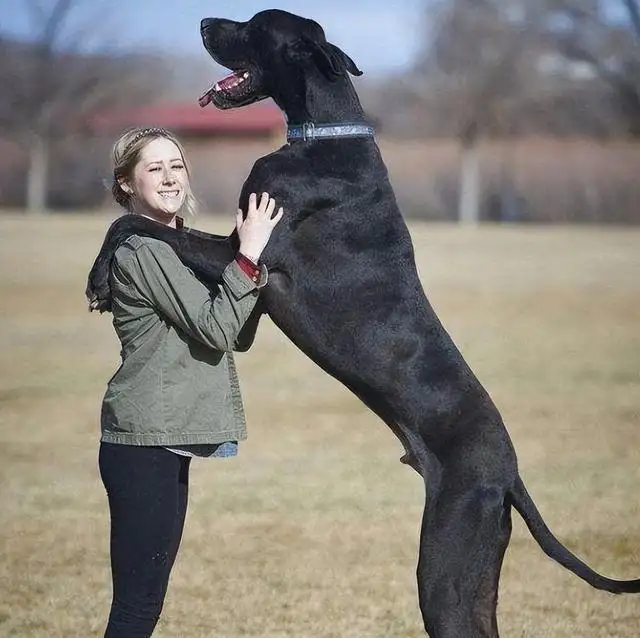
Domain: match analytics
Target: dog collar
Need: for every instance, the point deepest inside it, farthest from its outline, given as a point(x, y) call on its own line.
point(310, 131)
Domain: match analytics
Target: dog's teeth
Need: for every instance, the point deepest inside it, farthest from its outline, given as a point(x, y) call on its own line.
point(246, 75)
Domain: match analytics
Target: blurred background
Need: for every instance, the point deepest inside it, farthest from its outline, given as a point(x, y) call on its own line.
point(511, 129)
point(501, 110)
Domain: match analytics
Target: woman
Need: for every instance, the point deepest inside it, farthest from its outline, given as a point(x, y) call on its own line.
point(175, 394)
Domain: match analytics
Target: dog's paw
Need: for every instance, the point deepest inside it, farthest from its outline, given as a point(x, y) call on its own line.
point(101, 305)
point(98, 291)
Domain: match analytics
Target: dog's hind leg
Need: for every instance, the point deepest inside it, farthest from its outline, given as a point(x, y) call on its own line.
point(462, 544)
point(486, 599)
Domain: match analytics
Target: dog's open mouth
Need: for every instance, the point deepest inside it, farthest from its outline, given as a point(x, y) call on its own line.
point(233, 90)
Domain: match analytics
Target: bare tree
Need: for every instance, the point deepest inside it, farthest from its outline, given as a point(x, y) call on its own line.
point(36, 92)
point(633, 8)
point(590, 34)
point(52, 82)
point(507, 67)
point(475, 62)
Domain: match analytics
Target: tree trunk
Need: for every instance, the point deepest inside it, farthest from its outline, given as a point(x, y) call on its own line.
point(469, 201)
point(37, 175)
point(634, 14)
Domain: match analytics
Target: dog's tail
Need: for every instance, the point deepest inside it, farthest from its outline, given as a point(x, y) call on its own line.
point(553, 548)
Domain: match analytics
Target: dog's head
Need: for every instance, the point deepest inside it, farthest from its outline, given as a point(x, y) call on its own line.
point(270, 55)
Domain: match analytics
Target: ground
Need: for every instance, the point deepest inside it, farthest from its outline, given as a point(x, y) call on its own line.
point(312, 531)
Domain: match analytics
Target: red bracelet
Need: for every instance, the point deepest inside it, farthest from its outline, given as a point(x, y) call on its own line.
point(248, 267)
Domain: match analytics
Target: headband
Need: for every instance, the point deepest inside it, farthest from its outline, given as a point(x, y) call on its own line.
point(145, 132)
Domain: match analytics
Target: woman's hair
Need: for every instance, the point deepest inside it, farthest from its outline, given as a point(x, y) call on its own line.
point(126, 154)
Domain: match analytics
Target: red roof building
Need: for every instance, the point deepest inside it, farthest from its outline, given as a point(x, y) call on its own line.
point(263, 119)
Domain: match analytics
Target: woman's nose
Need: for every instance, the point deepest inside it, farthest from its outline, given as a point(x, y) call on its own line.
point(168, 177)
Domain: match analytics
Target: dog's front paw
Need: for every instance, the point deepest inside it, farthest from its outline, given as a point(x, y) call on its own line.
point(98, 291)
point(101, 305)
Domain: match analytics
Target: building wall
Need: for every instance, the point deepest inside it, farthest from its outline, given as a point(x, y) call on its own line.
point(219, 166)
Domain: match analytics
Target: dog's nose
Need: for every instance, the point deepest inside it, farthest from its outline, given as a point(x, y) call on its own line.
point(205, 23)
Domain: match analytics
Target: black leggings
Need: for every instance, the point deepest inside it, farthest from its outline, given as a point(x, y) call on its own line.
point(148, 490)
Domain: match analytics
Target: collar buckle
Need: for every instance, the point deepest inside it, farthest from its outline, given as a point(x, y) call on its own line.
point(308, 131)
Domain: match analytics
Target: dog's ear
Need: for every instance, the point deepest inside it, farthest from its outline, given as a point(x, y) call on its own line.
point(331, 60)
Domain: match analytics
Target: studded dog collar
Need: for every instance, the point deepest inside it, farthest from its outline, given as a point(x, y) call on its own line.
point(310, 131)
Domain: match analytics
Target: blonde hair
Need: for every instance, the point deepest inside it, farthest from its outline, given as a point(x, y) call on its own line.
point(125, 156)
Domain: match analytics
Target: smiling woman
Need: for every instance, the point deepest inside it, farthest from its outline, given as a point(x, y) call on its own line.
point(176, 394)
point(151, 176)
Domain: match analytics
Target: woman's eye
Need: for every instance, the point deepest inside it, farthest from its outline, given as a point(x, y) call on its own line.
point(154, 168)
point(178, 167)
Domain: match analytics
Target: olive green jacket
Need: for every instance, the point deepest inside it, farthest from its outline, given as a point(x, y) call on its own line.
point(177, 382)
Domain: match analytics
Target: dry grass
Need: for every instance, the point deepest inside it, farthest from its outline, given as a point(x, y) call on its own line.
point(312, 531)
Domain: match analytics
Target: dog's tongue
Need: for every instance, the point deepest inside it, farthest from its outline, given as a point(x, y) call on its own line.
point(206, 97)
point(221, 85)
point(229, 81)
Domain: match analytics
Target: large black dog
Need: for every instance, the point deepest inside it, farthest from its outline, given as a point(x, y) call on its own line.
point(344, 288)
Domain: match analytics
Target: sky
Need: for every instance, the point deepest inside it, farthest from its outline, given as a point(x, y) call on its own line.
point(382, 36)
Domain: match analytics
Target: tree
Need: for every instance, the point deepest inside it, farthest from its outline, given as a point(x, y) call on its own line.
point(53, 81)
point(633, 9)
point(508, 67)
point(603, 37)
point(474, 61)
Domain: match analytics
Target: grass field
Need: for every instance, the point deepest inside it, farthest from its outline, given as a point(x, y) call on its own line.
point(312, 531)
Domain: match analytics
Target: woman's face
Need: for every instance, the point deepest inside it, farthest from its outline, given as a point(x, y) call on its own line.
point(160, 182)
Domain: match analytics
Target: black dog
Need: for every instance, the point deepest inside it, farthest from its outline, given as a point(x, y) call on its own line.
point(345, 290)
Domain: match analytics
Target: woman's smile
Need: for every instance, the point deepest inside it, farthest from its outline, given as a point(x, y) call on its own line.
point(170, 194)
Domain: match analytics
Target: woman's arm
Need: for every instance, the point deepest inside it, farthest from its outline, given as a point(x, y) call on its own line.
point(154, 272)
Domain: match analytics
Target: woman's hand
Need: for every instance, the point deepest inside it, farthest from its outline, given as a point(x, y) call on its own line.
point(254, 230)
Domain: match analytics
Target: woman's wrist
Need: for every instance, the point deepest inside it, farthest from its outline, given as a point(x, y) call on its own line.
point(248, 267)
point(252, 253)
point(249, 257)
